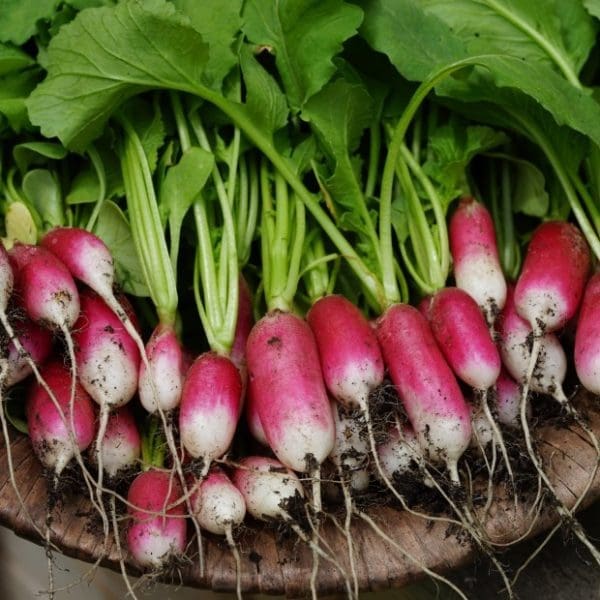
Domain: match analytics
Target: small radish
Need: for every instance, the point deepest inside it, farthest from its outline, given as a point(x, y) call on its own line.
point(508, 393)
point(287, 387)
point(244, 324)
point(121, 445)
point(474, 250)
point(464, 338)
point(516, 339)
point(483, 433)
point(553, 276)
point(51, 437)
point(210, 406)
point(587, 337)
point(253, 420)
point(400, 453)
point(350, 452)
point(156, 537)
point(427, 387)
point(161, 379)
point(348, 349)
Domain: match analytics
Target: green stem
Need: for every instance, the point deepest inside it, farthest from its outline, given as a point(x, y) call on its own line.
point(374, 154)
point(183, 131)
point(101, 174)
point(509, 242)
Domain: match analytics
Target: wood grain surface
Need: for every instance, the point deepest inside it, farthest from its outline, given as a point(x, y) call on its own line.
point(276, 563)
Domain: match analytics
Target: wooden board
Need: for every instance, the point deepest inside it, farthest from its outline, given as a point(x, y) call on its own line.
point(282, 566)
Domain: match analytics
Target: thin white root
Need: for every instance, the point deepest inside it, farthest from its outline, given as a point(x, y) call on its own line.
point(349, 505)
point(104, 413)
point(238, 563)
point(316, 497)
point(116, 533)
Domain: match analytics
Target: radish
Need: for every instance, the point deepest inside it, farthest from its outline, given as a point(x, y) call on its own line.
point(244, 323)
point(210, 405)
point(52, 439)
point(161, 378)
point(253, 420)
point(219, 507)
point(507, 399)
point(555, 269)
point(156, 537)
point(286, 385)
point(587, 337)
point(36, 346)
point(121, 445)
point(427, 387)
point(477, 268)
point(400, 453)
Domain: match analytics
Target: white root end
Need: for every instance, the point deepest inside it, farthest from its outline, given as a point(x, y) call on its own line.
point(117, 536)
point(238, 563)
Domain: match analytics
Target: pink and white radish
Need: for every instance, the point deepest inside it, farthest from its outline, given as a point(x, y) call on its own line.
point(253, 420)
point(400, 453)
point(155, 536)
point(48, 423)
point(508, 394)
point(427, 387)
point(587, 337)
point(244, 324)
point(287, 388)
point(121, 445)
point(474, 250)
point(210, 406)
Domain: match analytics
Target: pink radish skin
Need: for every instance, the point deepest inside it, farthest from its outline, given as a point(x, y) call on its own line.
point(107, 357)
point(166, 371)
point(286, 384)
point(427, 387)
point(217, 504)
point(351, 450)
point(474, 250)
point(154, 538)
point(121, 445)
point(266, 485)
point(210, 406)
point(508, 397)
point(463, 336)
point(36, 341)
point(244, 324)
point(253, 420)
point(47, 289)
point(587, 337)
point(350, 356)
point(553, 276)
point(48, 429)
point(516, 336)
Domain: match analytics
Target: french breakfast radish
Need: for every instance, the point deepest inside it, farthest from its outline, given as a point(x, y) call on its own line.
point(474, 250)
point(587, 337)
point(427, 387)
point(210, 406)
point(287, 387)
point(156, 537)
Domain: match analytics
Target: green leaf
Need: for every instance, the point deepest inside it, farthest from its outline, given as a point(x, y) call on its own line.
point(593, 7)
point(20, 17)
point(266, 105)
point(41, 188)
point(113, 228)
point(20, 224)
point(14, 90)
point(530, 196)
point(84, 188)
point(13, 59)
point(219, 23)
point(391, 26)
point(36, 153)
point(304, 36)
point(106, 55)
point(554, 32)
point(449, 152)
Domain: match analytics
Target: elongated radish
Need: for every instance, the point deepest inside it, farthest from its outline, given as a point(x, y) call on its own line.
point(350, 356)
point(253, 420)
point(464, 338)
point(427, 387)
point(474, 250)
point(555, 269)
point(210, 407)
point(161, 379)
point(587, 337)
point(287, 386)
point(156, 537)
point(49, 428)
point(121, 445)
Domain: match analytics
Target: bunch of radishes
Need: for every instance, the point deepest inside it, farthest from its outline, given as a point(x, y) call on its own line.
point(499, 340)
